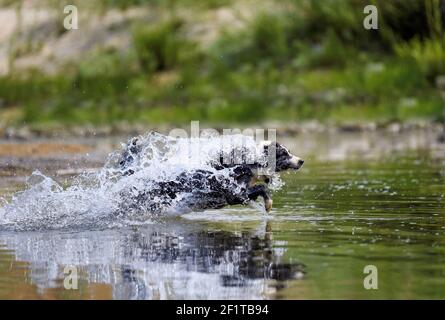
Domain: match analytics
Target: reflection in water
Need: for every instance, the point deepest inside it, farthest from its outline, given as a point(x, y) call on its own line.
point(168, 261)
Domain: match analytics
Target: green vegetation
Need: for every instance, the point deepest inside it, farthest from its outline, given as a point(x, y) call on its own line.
point(312, 60)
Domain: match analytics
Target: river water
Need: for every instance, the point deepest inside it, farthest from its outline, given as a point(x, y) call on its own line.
point(361, 199)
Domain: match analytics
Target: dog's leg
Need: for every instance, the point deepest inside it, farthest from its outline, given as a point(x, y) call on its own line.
point(260, 190)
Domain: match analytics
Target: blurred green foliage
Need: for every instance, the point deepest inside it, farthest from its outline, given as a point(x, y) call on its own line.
point(313, 60)
point(161, 47)
point(125, 4)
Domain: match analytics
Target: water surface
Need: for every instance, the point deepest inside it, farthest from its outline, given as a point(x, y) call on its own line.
point(345, 210)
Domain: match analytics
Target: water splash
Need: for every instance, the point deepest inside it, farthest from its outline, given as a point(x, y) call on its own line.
point(103, 199)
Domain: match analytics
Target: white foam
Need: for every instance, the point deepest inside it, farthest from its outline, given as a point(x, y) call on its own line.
point(93, 199)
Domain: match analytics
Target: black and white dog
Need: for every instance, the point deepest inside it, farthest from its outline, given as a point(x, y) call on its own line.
point(230, 184)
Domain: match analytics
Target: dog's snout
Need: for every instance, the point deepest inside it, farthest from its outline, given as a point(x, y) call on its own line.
point(295, 163)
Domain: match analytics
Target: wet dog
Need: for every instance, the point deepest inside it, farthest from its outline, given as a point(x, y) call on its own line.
point(232, 182)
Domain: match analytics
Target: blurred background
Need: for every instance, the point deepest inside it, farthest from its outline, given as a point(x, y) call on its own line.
point(154, 63)
point(364, 108)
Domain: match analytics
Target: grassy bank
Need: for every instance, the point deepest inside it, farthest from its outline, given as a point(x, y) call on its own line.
point(312, 60)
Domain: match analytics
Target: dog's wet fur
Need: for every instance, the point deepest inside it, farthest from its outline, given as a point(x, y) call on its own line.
point(207, 189)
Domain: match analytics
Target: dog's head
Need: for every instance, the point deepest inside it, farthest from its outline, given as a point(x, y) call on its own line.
point(284, 160)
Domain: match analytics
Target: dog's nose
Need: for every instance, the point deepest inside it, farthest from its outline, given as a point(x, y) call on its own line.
point(295, 163)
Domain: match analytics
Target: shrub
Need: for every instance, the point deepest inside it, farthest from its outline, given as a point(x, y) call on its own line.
point(263, 41)
point(399, 20)
point(428, 54)
point(158, 47)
